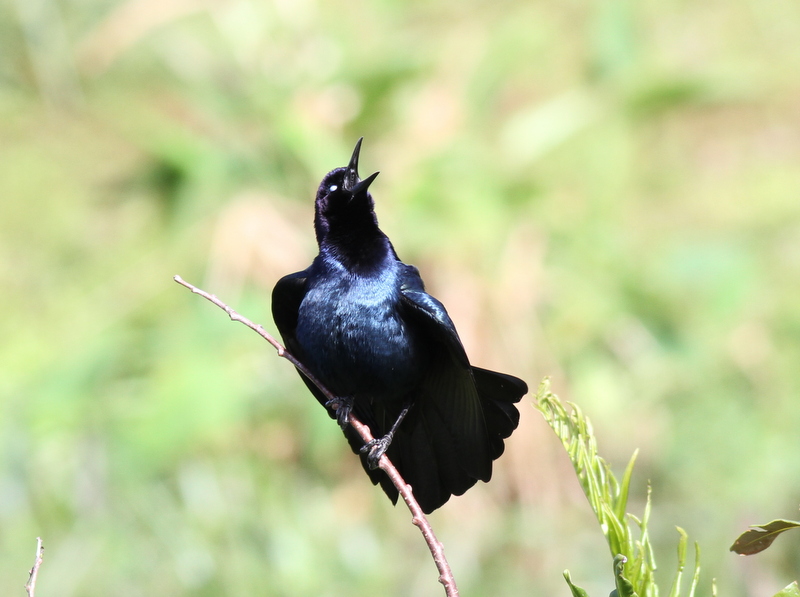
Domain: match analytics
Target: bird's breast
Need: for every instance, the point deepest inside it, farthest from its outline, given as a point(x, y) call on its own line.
point(354, 337)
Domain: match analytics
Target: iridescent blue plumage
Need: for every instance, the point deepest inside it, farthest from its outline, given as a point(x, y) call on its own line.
point(361, 321)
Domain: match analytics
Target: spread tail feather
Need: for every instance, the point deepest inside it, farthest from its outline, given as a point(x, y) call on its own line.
point(427, 455)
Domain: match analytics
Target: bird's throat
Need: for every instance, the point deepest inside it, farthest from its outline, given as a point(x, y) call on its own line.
point(358, 251)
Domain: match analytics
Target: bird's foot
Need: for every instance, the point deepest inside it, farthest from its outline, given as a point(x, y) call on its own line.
point(376, 448)
point(342, 406)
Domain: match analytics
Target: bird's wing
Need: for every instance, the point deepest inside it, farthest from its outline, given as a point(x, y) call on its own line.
point(450, 406)
point(286, 298)
point(432, 313)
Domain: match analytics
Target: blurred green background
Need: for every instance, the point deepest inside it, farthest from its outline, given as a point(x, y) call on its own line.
point(605, 192)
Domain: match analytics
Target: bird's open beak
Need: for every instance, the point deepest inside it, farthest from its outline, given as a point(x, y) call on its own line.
point(352, 182)
point(351, 174)
point(363, 185)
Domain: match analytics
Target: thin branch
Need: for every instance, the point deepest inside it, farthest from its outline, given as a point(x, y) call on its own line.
point(418, 516)
point(30, 586)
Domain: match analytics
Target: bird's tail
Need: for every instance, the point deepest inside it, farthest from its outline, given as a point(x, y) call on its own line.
point(430, 459)
point(498, 393)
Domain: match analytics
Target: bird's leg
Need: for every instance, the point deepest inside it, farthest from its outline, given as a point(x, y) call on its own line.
point(343, 406)
point(377, 447)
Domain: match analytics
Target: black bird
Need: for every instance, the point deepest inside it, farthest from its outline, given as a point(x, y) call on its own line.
point(361, 321)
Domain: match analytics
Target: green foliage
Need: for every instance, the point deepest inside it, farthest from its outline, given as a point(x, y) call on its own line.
point(634, 563)
point(793, 590)
point(576, 591)
point(624, 586)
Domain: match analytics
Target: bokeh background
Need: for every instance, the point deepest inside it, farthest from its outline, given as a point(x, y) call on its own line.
point(604, 192)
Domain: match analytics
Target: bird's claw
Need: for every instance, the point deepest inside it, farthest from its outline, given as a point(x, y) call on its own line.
point(374, 449)
point(342, 407)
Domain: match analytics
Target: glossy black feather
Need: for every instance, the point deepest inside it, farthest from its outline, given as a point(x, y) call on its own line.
point(361, 321)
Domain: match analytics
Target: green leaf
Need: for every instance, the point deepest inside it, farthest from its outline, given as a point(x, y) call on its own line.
point(676, 584)
point(696, 575)
point(761, 536)
point(622, 501)
point(624, 587)
point(576, 591)
point(617, 534)
point(791, 591)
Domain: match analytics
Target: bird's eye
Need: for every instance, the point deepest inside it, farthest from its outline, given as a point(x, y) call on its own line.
point(333, 188)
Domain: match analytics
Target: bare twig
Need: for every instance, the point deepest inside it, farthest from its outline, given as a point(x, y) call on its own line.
point(30, 586)
point(419, 519)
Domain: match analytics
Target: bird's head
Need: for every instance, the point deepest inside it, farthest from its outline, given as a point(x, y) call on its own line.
point(343, 198)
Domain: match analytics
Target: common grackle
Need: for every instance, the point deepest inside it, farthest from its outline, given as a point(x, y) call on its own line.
point(361, 321)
